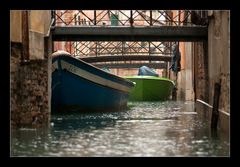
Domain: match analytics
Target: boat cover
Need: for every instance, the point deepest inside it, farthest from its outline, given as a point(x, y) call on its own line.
point(144, 70)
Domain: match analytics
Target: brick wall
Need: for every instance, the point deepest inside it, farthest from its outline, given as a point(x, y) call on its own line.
point(28, 91)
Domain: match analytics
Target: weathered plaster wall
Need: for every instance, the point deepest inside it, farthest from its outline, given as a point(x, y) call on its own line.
point(39, 22)
point(185, 84)
point(219, 56)
point(212, 64)
point(15, 26)
point(201, 88)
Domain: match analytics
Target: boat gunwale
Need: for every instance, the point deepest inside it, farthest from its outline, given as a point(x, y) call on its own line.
point(96, 83)
point(63, 55)
point(137, 77)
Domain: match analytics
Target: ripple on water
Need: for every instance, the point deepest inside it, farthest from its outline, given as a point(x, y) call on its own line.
point(146, 129)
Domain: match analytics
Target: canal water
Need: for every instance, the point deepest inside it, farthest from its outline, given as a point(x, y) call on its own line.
point(145, 129)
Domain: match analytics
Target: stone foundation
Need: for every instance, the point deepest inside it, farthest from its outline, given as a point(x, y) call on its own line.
point(28, 91)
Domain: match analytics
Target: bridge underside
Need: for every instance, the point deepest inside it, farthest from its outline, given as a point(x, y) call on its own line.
point(126, 58)
point(118, 33)
point(132, 65)
point(116, 61)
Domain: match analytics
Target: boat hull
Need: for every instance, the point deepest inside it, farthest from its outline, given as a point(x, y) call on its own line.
point(79, 86)
point(150, 88)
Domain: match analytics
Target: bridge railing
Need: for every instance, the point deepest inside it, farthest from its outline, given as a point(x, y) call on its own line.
point(116, 48)
point(122, 17)
point(114, 18)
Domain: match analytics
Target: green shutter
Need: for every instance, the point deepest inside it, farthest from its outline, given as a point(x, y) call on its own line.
point(114, 19)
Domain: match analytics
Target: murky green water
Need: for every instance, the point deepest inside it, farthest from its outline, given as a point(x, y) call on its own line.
point(145, 129)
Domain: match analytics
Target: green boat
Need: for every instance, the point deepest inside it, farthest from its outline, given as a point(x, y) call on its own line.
point(150, 88)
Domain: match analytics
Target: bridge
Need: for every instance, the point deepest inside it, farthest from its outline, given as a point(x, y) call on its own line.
point(122, 33)
point(135, 37)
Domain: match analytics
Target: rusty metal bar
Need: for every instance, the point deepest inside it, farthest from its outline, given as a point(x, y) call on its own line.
point(101, 17)
point(157, 21)
point(151, 18)
point(95, 17)
point(179, 17)
point(60, 17)
point(128, 18)
point(107, 47)
point(96, 51)
point(86, 16)
point(131, 18)
point(75, 19)
point(143, 16)
point(158, 47)
point(75, 15)
point(25, 36)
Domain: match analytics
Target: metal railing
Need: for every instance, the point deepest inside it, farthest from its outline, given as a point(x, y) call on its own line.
point(122, 17)
point(116, 18)
point(116, 48)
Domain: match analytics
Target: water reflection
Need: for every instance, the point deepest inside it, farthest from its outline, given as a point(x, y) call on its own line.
point(145, 129)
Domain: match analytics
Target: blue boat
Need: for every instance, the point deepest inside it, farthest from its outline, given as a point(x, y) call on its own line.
point(79, 86)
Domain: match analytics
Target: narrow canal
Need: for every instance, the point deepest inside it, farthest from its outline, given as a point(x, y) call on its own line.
point(145, 129)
